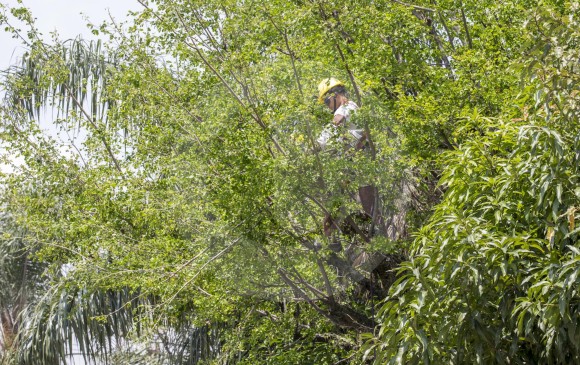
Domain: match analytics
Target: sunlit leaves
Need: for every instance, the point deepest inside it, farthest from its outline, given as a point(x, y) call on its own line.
point(499, 253)
point(201, 185)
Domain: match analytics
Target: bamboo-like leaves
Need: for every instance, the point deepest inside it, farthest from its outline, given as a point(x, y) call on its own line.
point(71, 77)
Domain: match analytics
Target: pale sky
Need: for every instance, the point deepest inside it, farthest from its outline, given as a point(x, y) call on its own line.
point(65, 16)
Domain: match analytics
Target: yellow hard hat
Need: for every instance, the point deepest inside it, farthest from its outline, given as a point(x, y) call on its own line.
point(325, 85)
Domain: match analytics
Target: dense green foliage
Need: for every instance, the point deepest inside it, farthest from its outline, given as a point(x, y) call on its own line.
point(184, 211)
point(494, 274)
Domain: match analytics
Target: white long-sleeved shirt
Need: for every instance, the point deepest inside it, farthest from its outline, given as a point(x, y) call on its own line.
point(332, 131)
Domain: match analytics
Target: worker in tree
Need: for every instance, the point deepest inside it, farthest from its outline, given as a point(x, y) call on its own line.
point(333, 94)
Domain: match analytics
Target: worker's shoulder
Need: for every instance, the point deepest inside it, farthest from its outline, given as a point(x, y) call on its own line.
point(346, 109)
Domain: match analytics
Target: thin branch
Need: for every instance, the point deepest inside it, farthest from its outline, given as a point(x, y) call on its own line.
point(188, 262)
point(75, 252)
point(323, 209)
point(289, 53)
point(350, 74)
point(217, 256)
point(319, 294)
point(417, 7)
point(449, 35)
point(207, 32)
point(94, 125)
point(72, 143)
point(433, 31)
point(327, 284)
point(465, 27)
point(302, 294)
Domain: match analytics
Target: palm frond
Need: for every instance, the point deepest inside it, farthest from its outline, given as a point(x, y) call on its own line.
point(64, 319)
point(71, 76)
point(18, 278)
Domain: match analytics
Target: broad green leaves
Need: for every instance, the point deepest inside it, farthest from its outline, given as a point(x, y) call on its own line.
point(497, 264)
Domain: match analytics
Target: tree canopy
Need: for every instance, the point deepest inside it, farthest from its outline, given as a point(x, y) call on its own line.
point(182, 220)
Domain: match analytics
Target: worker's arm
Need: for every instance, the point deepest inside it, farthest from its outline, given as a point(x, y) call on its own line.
point(338, 119)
